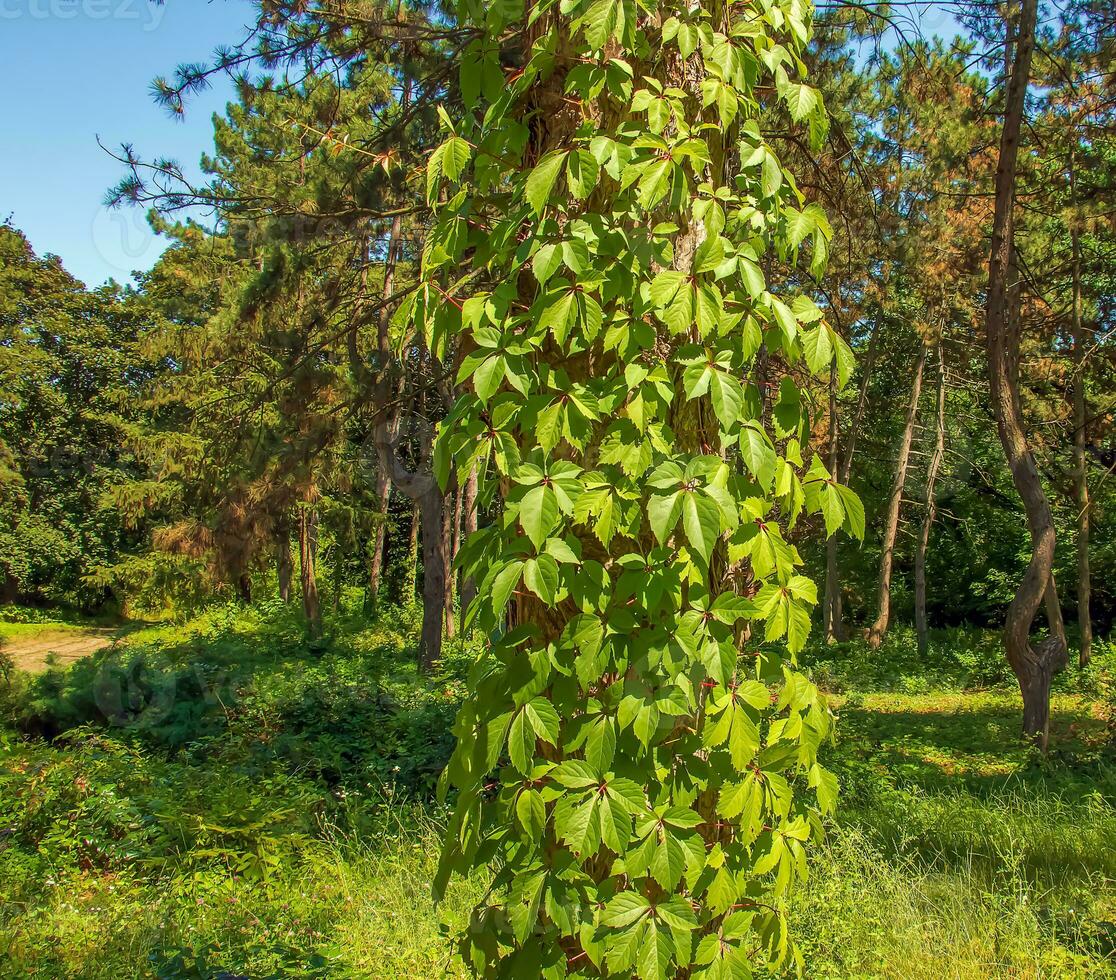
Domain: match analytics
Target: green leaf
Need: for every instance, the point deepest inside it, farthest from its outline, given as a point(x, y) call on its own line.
point(801, 100)
point(600, 746)
point(489, 376)
point(538, 511)
point(728, 398)
point(582, 172)
point(455, 158)
point(825, 783)
point(818, 348)
point(655, 954)
point(546, 261)
point(581, 827)
point(663, 514)
point(668, 861)
point(540, 575)
point(677, 914)
point(521, 743)
point(531, 813)
point(544, 719)
point(854, 511)
point(702, 520)
point(541, 180)
point(758, 455)
point(625, 910)
point(772, 174)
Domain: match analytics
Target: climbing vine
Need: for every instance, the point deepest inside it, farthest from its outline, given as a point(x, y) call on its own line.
point(637, 761)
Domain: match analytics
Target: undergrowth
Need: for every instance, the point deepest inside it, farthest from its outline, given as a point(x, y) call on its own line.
point(224, 798)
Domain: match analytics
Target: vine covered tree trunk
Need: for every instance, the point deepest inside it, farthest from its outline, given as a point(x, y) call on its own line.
point(929, 513)
point(308, 570)
point(1034, 664)
point(617, 401)
point(878, 628)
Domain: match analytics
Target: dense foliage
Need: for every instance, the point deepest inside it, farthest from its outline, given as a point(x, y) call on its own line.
point(549, 352)
point(647, 818)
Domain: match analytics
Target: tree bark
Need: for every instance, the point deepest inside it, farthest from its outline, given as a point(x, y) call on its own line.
point(1034, 664)
point(891, 522)
point(422, 487)
point(451, 518)
point(307, 565)
point(929, 513)
point(468, 527)
point(284, 567)
point(379, 536)
point(432, 507)
point(1080, 465)
point(413, 556)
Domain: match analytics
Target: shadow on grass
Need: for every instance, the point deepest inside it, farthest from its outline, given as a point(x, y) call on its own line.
point(947, 778)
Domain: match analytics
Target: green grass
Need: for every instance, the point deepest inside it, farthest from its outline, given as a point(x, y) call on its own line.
point(241, 802)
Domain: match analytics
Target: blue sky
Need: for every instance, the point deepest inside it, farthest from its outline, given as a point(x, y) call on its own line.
point(73, 70)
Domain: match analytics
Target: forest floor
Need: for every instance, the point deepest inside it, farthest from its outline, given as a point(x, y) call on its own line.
point(223, 799)
point(34, 647)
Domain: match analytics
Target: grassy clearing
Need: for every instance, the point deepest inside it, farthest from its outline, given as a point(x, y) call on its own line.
point(221, 799)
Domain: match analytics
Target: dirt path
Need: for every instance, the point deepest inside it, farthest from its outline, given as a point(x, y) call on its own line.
point(31, 651)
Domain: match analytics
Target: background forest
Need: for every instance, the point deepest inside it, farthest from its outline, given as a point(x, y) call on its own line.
point(234, 588)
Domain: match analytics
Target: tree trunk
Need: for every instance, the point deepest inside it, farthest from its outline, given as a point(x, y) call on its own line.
point(284, 566)
point(891, 522)
point(411, 580)
point(929, 512)
point(835, 625)
point(1034, 665)
point(1080, 466)
point(432, 507)
point(379, 537)
point(468, 527)
point(421, 486)
point(451, 515)
point(308, 573)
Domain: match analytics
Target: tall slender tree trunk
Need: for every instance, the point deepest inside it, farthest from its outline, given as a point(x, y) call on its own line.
point(379, 537)
point(929, 512)
point(834, 614)
point(891, 521)
point(284, 567)
point(1080, 465)
point(433, 510)
point(1034, 664)
point(450, 512)
point(411, 580)
point(339, 557)
point(307, 566)
point(468, 527)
